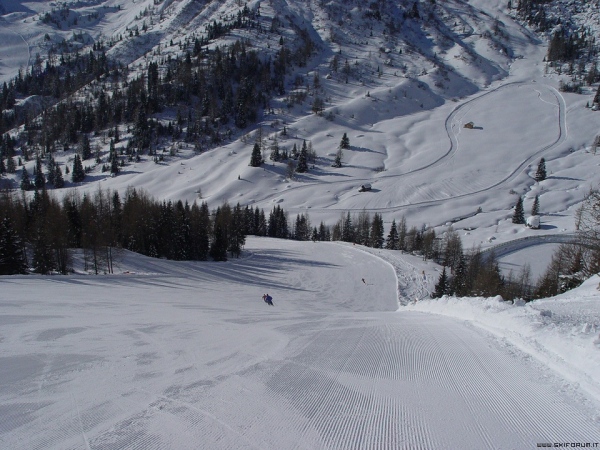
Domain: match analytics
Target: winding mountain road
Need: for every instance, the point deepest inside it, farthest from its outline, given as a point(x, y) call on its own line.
point(448, 190)
point(506, 248)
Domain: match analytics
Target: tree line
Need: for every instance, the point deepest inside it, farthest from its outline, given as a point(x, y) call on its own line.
point(573, 263)
point(39, 233)
point(570, 265)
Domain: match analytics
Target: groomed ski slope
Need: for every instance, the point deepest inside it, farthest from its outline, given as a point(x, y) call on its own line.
point(167, 355)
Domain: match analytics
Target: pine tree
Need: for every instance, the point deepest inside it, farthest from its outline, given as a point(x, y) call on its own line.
point(324, 233)
point(141, 132)
point(43, 261)
point(442, 286)
point(275, 155)
point(429, 248)
point(114, 165)
point(237, 235)
point(11, 167)
point(337, 162)
point(254, 219)
point(376, 235)
point(519, 214)
point(39, 180)
point(50, 169)
point(59, 181)
point(261, 224)
point(402, 234)
point(77, 174)
point(452, 249)
point(345, 142)
point(113, 159)
point(12, 257)
point(318, 105)
point(311, 153)
point(391, 243)
point(348, 233)
point(218, 246)
point(346, 70)
point(489, 280)
point(459, 283)
point(256, 158)
point(540, 174)
point(362, 228)
point(202, 228)
point(74, 225)
point(314, 236)
point(25, 182)
point(278, 225)
point(535, 208)
point(414, 12)
point(302, 166)
point(84, 147)
point(302, 230)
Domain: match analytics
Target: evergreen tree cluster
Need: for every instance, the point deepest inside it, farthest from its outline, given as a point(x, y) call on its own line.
point(569, 42)
point(12, 250)
point(278, 226)
point(361, 229)
point(569, 47)
point(216, 88)
point(212, 89)
point(533, 12)
point(477, 273)
point(465, 274)
point(569, 267)
point(103, 223)
point(53, 82)
point(575, 262)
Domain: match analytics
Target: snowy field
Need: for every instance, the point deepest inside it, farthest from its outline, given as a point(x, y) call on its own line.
point(186, 355)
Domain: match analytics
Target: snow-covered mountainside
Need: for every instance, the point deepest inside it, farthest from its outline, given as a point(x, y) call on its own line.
point(401, 79)
point(407, 38)
point(447, 108)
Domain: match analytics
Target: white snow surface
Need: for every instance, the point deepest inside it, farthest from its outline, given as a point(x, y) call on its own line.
point(185, 355)
point(177, 355)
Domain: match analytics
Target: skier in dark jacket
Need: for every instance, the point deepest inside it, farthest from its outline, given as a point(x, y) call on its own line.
point(268, 299)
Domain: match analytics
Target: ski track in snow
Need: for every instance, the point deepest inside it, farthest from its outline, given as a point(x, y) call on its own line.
point(188, 356)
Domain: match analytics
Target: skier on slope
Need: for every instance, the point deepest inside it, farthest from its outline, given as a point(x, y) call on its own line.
point(268, 299)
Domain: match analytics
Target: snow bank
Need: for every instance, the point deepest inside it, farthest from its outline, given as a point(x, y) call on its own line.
point(561, 332)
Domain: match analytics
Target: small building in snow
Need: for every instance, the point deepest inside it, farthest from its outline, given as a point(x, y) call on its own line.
point(469, 125)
